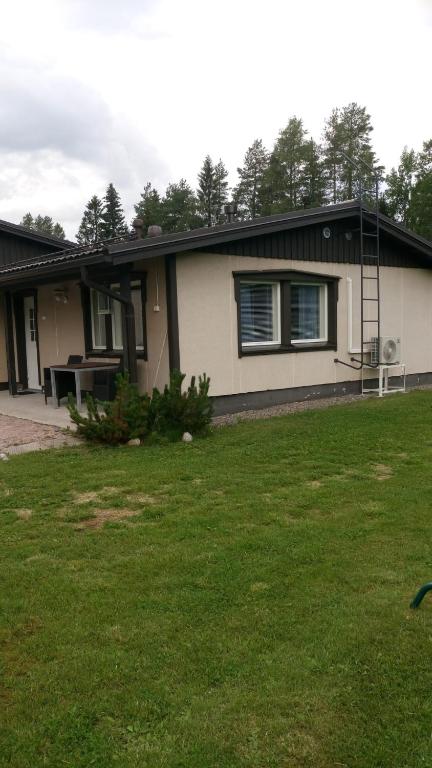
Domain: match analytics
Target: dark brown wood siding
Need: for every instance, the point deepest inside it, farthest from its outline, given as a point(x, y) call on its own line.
point(13, 249)
point(309, 244)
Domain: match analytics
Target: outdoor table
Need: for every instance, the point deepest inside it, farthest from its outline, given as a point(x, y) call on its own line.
point(77, 369)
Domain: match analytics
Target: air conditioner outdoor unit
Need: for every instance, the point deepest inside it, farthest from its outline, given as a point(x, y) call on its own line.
point(385, 350)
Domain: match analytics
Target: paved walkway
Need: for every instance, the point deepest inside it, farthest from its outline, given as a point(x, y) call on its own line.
point(23, 436)
point(32, 407)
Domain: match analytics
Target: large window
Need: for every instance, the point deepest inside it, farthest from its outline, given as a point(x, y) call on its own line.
point(285, 311)
point(260, 313)
point(105, 319)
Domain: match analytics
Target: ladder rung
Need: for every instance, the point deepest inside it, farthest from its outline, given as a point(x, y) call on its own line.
point(370, 321)
point(366, 299)
point(369, 234)
point(366, 277)
point(369, 256)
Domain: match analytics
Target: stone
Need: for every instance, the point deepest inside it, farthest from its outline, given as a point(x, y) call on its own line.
point(187, 437)
point(134, 441)
point(3, 457)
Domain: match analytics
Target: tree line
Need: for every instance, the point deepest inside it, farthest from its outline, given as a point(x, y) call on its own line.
point(297, 172)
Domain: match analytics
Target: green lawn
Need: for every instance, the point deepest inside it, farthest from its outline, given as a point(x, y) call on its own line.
point(254, 613)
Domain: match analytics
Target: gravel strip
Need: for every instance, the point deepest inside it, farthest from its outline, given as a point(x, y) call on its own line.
point(304, 405)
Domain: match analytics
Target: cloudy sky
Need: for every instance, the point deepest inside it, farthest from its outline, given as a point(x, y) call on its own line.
point(93, 91)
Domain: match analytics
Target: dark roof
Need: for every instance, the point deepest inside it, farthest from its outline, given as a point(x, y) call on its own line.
point(208, 236)
point(81, 254)
point(39, 237)
point(119, 250)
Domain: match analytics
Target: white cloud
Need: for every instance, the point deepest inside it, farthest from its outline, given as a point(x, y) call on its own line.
point(97, 91)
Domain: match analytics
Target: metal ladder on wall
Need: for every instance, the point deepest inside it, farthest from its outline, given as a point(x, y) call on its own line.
point(370, 277)
point(369, 242)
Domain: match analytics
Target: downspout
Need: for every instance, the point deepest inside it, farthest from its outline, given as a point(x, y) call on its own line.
point(351, 349)
point(129, 344)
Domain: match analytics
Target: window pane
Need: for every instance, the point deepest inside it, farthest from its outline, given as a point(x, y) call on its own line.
point(98, 323)
point(117, 325)
point(307, 312)
point(259, 313)
point(139, 330)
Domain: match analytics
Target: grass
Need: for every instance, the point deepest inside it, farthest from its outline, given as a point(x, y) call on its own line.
point(252, 610)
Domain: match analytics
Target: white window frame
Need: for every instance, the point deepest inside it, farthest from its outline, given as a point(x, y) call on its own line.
point(276, 309)
point(323, 313)
point(93, 294)
point(135, 285)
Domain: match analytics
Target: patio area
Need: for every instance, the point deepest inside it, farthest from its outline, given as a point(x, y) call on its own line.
point(33, 408)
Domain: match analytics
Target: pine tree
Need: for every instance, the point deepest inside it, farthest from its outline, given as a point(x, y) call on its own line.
point(113, 219)
point(248, 194)
point(90, 230)
point(179, 208)
point(206, 192)
point(150, 207)
point(43, 224)
point(356, 128)
point(399, 186)
point(347, 134)
point(220, 196)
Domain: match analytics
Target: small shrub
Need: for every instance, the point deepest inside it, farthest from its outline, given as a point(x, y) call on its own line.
point(174, 412)
point(117, 421)
point(166, 414)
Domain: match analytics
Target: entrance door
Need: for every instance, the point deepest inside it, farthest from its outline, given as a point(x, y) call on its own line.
point(30, 325)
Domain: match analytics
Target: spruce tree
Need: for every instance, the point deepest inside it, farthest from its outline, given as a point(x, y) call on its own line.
point(399, 186)
point(179, 207)
point(286, 169)
point(206, 192)
point(150, 207)
point(332, 159)
point(43, 224)
point(313, 178)
point(113, 219)
point(27, 221)
point(249, 192)
point(220, 191)
point(90, 230)
point(58, 231)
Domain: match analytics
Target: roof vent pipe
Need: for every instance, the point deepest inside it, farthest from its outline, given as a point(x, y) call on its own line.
point(138, 225)
point(154, 230)
point(230, 211)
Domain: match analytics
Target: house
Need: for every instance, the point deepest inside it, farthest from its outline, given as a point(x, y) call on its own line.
point(21, 245)
point(270, 308)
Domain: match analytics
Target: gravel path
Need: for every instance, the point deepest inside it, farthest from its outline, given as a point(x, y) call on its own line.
point(281, 410)
point(305, 405)
point(22, 436)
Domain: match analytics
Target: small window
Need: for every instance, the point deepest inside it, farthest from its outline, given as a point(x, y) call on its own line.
point(308, 312)
point(117, 326)
point(106, 319)
point(260, 313)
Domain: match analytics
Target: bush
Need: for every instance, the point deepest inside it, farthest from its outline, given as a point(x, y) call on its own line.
point(131, 415)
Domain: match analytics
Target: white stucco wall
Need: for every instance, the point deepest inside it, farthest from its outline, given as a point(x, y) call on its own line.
point(208, 324)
